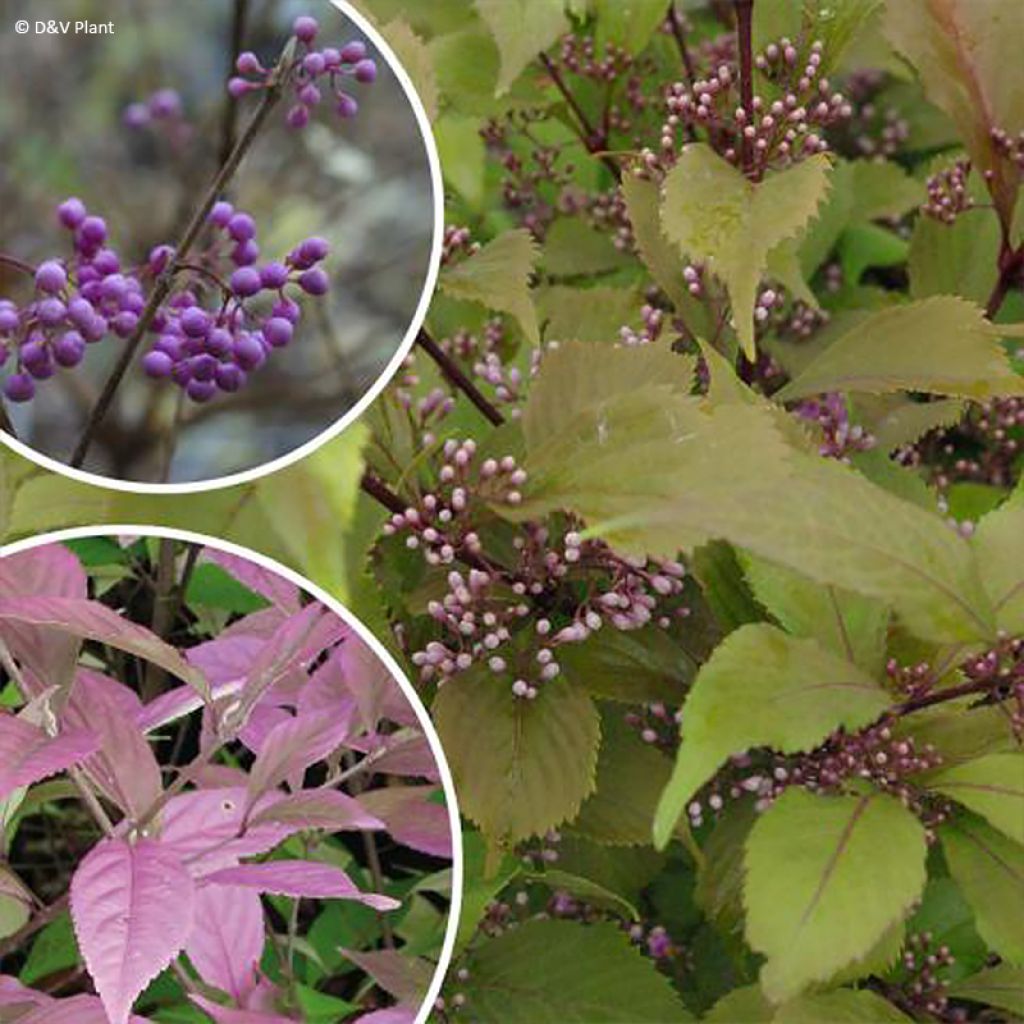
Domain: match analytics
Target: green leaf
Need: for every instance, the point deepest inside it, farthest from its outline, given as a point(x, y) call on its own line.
point(798, 694)
point(637, 666)
point(584, 889)
point(882, 190)
point(54, 950)
point(840, 1007)
point(992, 786)
point(480, 886)
point(719, 889)
point(594, 315)
point(943, 345)
point(717, 568)
point(572, 247)
point(1000, 551)
point(212, 587)
point(1001, 986)
point(844, 623)
point(522, 29)
point(416, 59)
point(961, 258)
point(498, 277)
point(747, 1004)
point(521, 767)
point(628, 23)
point(559, 972)
point(826, 878)
point(463, 155)
point(715, 214)
point(965, 53)
point(50, 502)
point(863, 246)
point(625, 870)
point(908, 421)
point(961, 732)
point(15, 903)
point(630, 777)
point(989, 868)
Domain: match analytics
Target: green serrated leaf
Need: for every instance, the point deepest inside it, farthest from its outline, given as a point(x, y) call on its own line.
point(943, 345)
point(848, 625)
point(522, 29)
point(715, 214)
point(417, 61)
point(992, 786)
point(1001, 986)
point(961, 258)
point(840, 1007)
point(798, 694)
point(826, 878)
point(989, 869)
point(521, 767)
point(594, 315)
point(630, 777)
point(498, 277)
point(1000, 553)
point(566, 973)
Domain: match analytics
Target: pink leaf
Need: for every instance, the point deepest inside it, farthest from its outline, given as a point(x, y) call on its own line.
point(405, 752)
point(227, 938)
point(15, 997)
point(389, 1015)
point(125, 768)
point(48, 660)
point(262, 722)
point(327, 689)
point(276, 589)
point(77, 1010)
point(318, 808)
point(132, 907)
point(202, 828)
point(230, 1015)
point(27, 754)
point(300, 878)
point(292, 746)
point(405, 977)
point(369, 681)
point(412, 819)
point(94, 621)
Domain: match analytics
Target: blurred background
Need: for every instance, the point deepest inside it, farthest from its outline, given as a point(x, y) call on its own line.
point(363, 184)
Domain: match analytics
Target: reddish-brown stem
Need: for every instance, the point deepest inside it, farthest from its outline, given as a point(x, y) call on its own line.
point(942, 696)
point(593, 140)
point(676, 24)
point(381, 493)
point(229, 124)
point(745, 45)
point(1011, 264)
point(13, 261)
point(453, 372)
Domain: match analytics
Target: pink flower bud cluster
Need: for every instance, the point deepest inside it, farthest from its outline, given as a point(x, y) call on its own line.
point(947, 193)
point(840, 438)
point(923, 989)
point(457, 245)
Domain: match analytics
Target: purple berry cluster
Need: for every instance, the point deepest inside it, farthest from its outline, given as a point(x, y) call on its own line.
point(163, 111)
point(77, 301)
point(312, 73)
point(947, 193)
point(231, 311)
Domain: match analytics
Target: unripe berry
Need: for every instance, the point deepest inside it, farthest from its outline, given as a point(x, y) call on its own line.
point(249, 64)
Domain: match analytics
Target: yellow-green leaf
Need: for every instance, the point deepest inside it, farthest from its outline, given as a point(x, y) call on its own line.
point(522, 29)
point(992, 786)
point(715, 214)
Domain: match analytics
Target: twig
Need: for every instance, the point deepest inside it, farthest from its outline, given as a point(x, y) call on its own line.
point(372, 485)
point(456, 377)
point(592, 139)
point(229, 124)
point(164, 607)
point(163, 285)
point(942, 696)
point(679, 35)
point(745, 43)
point(1011, 263)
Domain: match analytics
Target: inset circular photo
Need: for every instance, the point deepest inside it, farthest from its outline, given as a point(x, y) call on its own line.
point(220, 801)
point(220, 223)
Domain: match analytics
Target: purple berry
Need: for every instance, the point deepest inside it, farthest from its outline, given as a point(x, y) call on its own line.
point(219, 342)
point(313, 250)
point(245, 254)
point(201, 390)
point(309, 95)
point(20, 387)
point(182, 373)
point(348, 106)
point(314, 64)
point(278, 332)
point(366, 71)
point(114, 287)
point(165, 104)
point(195, 323)
point(169, 345)
point(43, 369)
point(241, 227)
point(8, 320)
point(230, 377)
point(69, 349)
point(124, 324)
point(288, 310)
point(106, 262)
point(249, 353)
point(34, 355)
point(51, 311)
point(204, 367)
point(159, 257)
point(274, 275)
point(136, 115)
point(71, 213)
point(306, 28)
point(93, 231)
point(332, 58)
point(80, 311)
point(249, 64)
point(246, 282)
point(353, 52)
point(157, 364)
point(221, 214)
point(133, 302)
point(298, 117)
point(238, 87)
point(315, 282)
point(95, 330)
point(51, 277)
